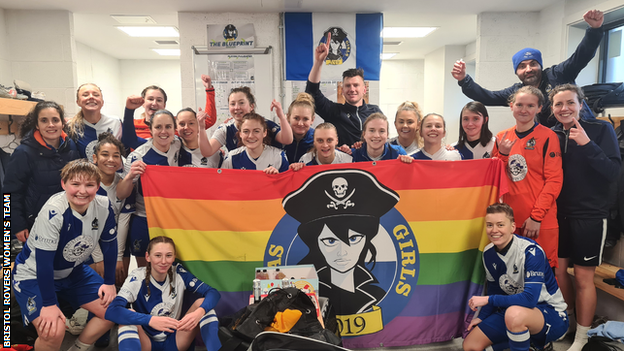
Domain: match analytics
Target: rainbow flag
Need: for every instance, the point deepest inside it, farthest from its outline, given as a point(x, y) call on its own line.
point(404, 282)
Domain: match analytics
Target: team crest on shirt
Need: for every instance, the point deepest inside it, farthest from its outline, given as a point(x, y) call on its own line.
point(517, 167)
point(515, 269)
point(487, 155)
point(204, 161)
point(530, 145)
point(90, 150)
point(78, 249)
point(94, 224)
point(163, 309)
point(510, 286)
point(31, 306)
point(345, 223)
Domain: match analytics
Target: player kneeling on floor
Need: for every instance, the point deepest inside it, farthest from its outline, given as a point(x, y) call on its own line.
point(156, 294)
point(524, 304)
point(50, 266)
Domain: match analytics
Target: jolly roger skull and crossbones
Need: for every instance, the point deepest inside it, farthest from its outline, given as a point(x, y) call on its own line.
point(340, 187)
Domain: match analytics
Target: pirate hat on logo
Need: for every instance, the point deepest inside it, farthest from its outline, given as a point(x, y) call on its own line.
point(337, 34)
point(340, 194)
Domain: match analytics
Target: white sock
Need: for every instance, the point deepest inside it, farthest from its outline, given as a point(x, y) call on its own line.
point(580, 339)
point(79, 346)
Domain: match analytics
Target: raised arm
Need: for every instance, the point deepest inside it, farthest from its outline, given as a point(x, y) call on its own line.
point(211, 107)
point(285, 135)
point(586, 50)
point(205, 146)
point(129, 137)
point(319, 59)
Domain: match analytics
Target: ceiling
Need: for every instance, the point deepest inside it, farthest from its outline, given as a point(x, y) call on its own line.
point(456, 19)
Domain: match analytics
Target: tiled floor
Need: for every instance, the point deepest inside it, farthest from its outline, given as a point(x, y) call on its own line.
point(454, 345)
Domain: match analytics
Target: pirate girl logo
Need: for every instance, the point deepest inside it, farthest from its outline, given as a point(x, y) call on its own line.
point(339, 46)
point(365, 254)
point(230, 33)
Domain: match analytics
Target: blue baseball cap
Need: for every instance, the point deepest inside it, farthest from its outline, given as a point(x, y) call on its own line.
point(526, 54)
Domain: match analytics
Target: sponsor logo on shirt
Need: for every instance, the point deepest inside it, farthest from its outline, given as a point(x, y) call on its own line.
point(45, 240)
point(530, 274)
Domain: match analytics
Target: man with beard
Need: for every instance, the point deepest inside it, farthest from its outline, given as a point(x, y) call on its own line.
point(528, 67)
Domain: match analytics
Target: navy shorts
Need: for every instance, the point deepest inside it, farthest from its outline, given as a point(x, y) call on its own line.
point(79, 288)
point(582, 240)
point(168, 345)
point(555, 326)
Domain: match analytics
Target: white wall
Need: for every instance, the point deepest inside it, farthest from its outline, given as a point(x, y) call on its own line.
point(6, 75)
point(454, 99)
point(138, 74)
point(43, 52)
point(401, 80)
point(442, 94)
point(434, 83)
point(119, 79)
point(96, 67)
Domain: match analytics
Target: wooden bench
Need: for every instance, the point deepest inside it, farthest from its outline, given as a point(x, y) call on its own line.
point(603, 271)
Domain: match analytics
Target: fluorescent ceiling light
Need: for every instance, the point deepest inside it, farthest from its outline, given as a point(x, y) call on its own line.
point(388, 55)
point(168, 52)
point(129, 19)
point(407, 32)
point(143, 31)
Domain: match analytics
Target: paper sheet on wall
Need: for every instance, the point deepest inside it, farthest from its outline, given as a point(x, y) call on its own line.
point(227, 72)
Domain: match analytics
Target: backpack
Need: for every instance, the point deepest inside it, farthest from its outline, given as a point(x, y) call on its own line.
point(603, 95)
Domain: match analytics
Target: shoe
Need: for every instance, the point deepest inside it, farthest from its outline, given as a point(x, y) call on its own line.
point(547, 347)
point(73, 326)
point(4, 92)
point(38, 95)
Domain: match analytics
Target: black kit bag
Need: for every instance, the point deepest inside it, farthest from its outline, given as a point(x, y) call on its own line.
point(601, 343)
point(251, 320)
point(603, 95)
